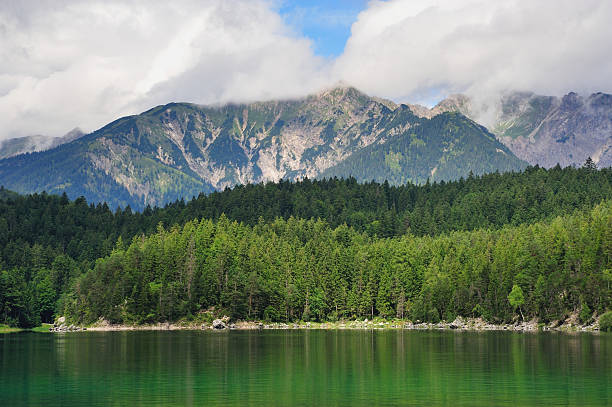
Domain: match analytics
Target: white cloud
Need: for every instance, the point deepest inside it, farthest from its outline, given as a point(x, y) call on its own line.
point(404, 49)
point(85, 63)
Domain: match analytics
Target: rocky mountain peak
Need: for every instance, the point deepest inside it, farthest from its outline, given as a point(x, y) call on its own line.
point(455, 102)
point(601, 101)
point(341, 95)
point(571, 101)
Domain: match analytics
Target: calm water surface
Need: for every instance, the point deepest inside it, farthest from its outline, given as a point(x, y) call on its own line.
point(282, 368)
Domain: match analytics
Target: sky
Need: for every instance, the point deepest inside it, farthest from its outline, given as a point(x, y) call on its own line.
point(326, 23)
point(69, 63)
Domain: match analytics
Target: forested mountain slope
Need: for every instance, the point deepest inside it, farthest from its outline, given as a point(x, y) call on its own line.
point(450, 143)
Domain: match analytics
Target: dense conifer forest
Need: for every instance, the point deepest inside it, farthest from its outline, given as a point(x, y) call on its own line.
point(305, 270)
point(317, 250)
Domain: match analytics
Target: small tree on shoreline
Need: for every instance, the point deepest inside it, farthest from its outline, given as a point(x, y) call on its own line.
point(517, 299)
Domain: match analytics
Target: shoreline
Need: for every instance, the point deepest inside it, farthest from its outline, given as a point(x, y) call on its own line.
point(459, 324)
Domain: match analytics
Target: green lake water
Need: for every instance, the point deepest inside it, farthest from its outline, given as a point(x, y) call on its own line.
point(300, 367)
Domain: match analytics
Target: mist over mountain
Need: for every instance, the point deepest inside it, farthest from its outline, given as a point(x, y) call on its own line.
point(21, 145)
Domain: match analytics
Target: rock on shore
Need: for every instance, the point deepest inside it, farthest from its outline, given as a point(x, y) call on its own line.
point(458, 324)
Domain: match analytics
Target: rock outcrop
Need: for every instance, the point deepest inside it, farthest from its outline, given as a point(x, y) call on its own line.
point(221, 323)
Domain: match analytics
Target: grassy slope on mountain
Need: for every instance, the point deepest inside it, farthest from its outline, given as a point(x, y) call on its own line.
point(522, 113)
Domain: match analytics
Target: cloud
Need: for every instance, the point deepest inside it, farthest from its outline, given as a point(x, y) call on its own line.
point(408, 49)
point(67, 63)
point(84, 63)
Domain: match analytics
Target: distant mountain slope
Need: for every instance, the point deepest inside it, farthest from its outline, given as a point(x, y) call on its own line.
point(545, 130)
point(29, 144)
point(548, 130)
point(102, 171)
point(178, 150)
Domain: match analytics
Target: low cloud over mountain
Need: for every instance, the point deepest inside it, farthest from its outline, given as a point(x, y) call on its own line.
point(65, 63)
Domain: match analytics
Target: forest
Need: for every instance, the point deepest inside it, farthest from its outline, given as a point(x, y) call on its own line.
point(305, 270)
point(317, 250)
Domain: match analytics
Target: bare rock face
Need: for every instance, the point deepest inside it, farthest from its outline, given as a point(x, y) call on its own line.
point(218, 324)
point(221, 323)
point(458, 323)
point(453, 103)
point(564, 131)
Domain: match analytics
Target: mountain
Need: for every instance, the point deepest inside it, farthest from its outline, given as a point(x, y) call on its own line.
point(180, 149)
point(551, 130)
point(543, 130)
point(441, 148)
point(21, 145)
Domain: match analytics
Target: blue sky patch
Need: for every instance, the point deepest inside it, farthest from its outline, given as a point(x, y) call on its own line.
point(326, 23)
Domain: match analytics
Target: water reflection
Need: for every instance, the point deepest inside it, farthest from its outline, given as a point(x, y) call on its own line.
point(306, 367)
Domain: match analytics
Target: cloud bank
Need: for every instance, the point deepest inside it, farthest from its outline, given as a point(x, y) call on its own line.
point(84, 63)
point(410, 48)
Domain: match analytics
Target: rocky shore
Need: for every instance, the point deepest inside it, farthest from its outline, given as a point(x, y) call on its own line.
point(459, 324)
point(61, 326)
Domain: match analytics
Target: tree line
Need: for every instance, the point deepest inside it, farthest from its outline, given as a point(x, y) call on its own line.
point(47, 242)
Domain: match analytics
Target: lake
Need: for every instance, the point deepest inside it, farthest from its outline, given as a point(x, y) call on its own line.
point(306, 367)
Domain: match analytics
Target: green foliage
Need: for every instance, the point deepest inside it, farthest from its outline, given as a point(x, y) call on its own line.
point(585, 312)
point(296, 269)
point(589, 164)
point(50, 246)
point(516, 296)
point(4, 329)
point(605, 322)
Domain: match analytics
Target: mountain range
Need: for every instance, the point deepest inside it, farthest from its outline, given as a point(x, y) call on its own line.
point(180, 150)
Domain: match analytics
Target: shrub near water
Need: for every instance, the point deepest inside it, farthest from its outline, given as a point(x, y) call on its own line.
point(605, 322)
